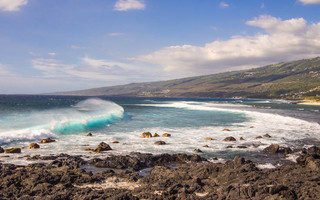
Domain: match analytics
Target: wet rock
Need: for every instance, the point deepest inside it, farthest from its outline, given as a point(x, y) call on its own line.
point(47, 140)
point(251, 126)
point(102, 147)
point(115, 142)
point(242, 147)
point(146, 135)
point(267, 136)
point(274, 148)
point(229, 147)
point(205, 146)
point(285, 150)
point(1, 150)
point(229, 139)
point(34, 146)
point(166, 135)
point(312, 163)
point(160, 143)
point(13, 150)
point(259, 137)
point(208, 138)
point(89, 134)
point(226, 129)
point(241, 138)
point(197, 151)
point(156, 135)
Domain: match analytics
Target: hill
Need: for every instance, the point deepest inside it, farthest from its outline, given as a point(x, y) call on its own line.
point(297, 79)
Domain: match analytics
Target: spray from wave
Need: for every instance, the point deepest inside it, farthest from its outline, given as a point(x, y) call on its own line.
point(84, 116)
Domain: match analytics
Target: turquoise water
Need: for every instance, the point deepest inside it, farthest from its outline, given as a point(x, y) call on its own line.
point(26, 119)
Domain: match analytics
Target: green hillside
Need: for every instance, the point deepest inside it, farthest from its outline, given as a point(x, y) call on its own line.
point(297, 79)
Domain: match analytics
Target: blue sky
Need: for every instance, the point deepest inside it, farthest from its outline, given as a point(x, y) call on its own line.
point(61, 45)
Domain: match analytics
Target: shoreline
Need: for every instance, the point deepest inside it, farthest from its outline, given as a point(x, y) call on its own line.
point(164, 176)
point(309, 103)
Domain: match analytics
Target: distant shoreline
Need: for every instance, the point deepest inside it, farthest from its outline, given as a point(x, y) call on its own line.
point(309, 103)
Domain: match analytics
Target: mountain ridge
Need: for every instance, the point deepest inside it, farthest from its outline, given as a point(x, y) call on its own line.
point(290, 80)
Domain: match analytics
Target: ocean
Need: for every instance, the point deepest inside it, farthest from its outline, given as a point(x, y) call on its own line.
point(27, 119)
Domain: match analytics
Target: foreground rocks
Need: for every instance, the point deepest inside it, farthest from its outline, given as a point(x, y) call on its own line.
point(177, 176)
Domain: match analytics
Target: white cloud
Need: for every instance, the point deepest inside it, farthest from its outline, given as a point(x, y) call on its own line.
point(52, 54)
point(12, 5)
point(283, 40)
point(262, 5)
point(3, 71)
point(310, 1)
point(224, 5)
point(75, 47)
point(124, 5)
point(115, 34)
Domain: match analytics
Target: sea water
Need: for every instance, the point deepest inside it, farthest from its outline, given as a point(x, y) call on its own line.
point(28, 119)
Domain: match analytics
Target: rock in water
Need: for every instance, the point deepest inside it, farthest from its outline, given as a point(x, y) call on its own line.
point(197, 151)
point(146, 135)
point(166, 135)
point(160, 143)
point(242, 147)
point(241, 138)
point(259, 137)
point(102, 147)
point(1, 150)
point(47, 140)
point(226, 129)
point(115, 142)
point(206, 146)
point(13, 150)
point(229, 139)
point(274, 148)
point(156, 135)
point(89, 134)
point(34, 146)
point(208, 138)
point(267, 136)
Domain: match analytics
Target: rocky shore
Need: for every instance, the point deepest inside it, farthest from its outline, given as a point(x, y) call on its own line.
point(165, 176)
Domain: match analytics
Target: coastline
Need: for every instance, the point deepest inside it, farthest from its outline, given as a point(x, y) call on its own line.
point(165, 176)
point(309, 103)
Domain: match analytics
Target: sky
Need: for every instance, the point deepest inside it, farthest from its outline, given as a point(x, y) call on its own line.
point(65, 45)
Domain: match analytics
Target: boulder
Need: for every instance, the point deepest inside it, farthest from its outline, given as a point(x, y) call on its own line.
point(166, 135)
point(47, 140)
point(197, 151)
point(156, 135)
point(259, 137)
point(229, 139)
point(226, 129)
point(242, 147)
point(267, 136)
point(241, 138)
point(102, 147)
point(229, 147)
point(1, 150)
point(274, 148)
point(285, 150)
point(146, 135)
point(251, 126)
point(34, 146)
point(115, 142)
point(208, 138)
point(89, 134)
point(160, 143)
point(13, 150)
point(205, 146)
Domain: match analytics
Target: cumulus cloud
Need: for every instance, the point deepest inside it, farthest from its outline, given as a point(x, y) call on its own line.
point(125, 5)
point(12, 5)
point(281, 40)
point(224, 5)
point(310, 1)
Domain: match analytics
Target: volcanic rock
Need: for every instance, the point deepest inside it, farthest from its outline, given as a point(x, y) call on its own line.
point(197, 151)
point(47, 140)
point(259, 137)
point(241, 138)
point(115, 142)
point(267, 136)
point(229, 147)
point(34, 146)
point(205, 146)
point(229, 139)
point(166, 135)
point(226, 129)
point(160, 143)
point(146, 135)
point(102, 147)
point(208, 138)
point(274, 148)
point(13, 150)
point(156, 135)
point(89, 134)
point(242, 147)
point(1, 150)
